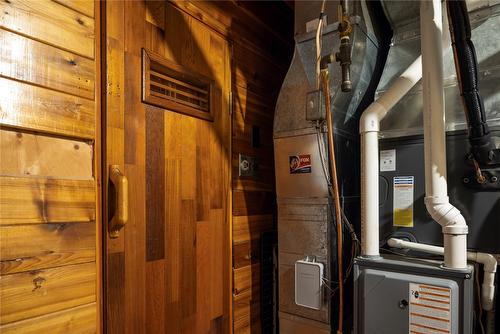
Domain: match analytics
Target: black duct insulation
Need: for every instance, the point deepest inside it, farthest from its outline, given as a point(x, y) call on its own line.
point(466, 68)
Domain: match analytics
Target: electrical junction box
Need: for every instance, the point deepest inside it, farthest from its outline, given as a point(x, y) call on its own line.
point(315, 106)
point(397, 295)
point(308, 284)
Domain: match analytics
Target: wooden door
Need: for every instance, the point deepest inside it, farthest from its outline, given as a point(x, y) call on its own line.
point(168, 270)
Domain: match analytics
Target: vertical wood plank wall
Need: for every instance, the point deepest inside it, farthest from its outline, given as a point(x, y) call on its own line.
point(257, 78)
point(49, 164)
point(261, 33)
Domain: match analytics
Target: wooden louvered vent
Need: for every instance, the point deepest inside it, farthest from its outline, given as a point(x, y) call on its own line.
point(171, 86)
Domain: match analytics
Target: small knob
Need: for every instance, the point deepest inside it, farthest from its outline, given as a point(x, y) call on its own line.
point(403, 303)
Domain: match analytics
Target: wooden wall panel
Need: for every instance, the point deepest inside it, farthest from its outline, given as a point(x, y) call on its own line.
point(76, 320)
point(33, 293)
point(41, 156)
point(257, 73)
point(27, 60)
point(155, 185)
point(49, 166)
point(247, 317)
point(40, 109)
point(247, 228)
point(29, 247)
point(26, 200)
point(246, 253)
point(246, 283)
point(51, 23)
point(248, 203)
point(85, 7)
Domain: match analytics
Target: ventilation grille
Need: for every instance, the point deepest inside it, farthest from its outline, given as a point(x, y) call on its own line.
point(171, 86)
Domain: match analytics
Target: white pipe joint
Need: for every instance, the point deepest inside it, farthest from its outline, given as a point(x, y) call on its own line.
point(371, 117)
point(436, 188)
point(369, 127)
point(490, 264)
point(488, 261)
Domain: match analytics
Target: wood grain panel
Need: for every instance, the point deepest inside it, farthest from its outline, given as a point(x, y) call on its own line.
point(247, 228)
point(246, 254)
point(202, 171)
point(33, 247)
point(31, 294)
point(82, 6)
point(27, 60)
point(155, 306)
point(188, 258)
point(155, 13)
point(51, 23)
point(172, 228)
point(136, 276)
point(27, 154)
point(247, 203)
point(246, 282)
point(253, 71)
point(76, 320)
point(247, 317)
point(155, 185)
point(37, 200)
point(209, 271)
point(115, 293)
point(36, 108)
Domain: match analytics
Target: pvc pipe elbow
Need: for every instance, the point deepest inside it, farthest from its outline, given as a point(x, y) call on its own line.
point(371, 117)
point(448, 216)
point(489, 261)
point(488, 291)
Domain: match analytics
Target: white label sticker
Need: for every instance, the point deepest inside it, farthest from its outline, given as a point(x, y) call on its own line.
point(430, 309)
point(403, 201)
point(388, 161)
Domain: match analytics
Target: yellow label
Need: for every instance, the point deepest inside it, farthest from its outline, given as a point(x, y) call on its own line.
point(403, 217)
point(403, 201)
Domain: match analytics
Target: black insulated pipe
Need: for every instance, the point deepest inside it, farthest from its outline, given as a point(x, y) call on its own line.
point(482, 147)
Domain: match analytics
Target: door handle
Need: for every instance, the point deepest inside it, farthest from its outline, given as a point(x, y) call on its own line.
point(120, 216)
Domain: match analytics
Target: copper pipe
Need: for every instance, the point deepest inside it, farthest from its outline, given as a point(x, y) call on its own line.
point(335, 192)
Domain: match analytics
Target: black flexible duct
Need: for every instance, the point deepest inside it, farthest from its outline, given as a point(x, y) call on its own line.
point(483, 149)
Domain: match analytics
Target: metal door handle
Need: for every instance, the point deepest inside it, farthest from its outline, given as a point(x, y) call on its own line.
point(120, 216)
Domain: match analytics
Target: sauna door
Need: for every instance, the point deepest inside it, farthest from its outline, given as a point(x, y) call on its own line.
point(166, 88)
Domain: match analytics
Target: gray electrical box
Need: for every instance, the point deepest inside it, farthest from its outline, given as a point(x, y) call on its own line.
point(395, 295)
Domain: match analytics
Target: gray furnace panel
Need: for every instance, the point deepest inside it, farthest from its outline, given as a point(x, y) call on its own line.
point(481, 208)
point(396, 296)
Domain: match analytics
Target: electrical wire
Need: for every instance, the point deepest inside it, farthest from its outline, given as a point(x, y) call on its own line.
point(480, 306)
point(336, 196)
point(319, 33)
point(356, 244)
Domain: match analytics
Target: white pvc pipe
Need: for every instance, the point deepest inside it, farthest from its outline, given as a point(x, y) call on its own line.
point(369, 127)
point(488, 261)
point(436, 188)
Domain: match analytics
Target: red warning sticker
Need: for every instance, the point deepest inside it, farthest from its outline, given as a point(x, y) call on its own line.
point(430, 309)
point(300, 164)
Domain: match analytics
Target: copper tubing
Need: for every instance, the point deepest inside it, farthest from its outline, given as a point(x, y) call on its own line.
point(335, 192)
